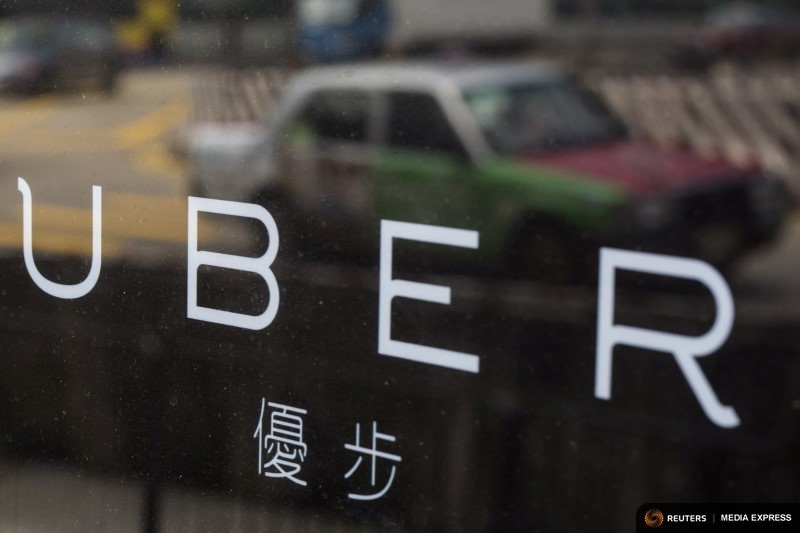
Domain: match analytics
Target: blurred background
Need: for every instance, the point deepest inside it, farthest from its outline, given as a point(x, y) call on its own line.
point(554, 127)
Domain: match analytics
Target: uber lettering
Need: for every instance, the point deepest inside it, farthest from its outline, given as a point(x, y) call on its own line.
point(685, 350)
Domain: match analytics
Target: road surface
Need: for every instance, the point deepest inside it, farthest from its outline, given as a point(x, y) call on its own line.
point(64, 144)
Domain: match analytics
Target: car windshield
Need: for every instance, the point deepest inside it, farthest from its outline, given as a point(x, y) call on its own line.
point(532, 117)
point(24, 34)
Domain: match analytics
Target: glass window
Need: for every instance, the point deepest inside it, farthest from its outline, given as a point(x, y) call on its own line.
point(337, 115)
point(521, 118)
point(412, 266)
point(417, 122)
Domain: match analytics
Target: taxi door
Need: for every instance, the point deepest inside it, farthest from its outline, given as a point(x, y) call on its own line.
point(324, 158)
point(423, 171)
point(425, 175)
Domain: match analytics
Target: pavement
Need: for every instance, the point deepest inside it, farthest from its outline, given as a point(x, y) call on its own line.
point(36, 498)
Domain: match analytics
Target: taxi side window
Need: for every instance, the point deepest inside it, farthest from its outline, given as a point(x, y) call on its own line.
point(337, 116)
point(417, 122)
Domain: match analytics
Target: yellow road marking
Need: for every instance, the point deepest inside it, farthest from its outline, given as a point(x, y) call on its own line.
point(40, 141)
point(147, 202)
point(10, 234)
point(152, 126)
point(64, 243)
point(127, 218)
point(136, 136)
point(155, 218)
point(158, 161)
point(66, 229)
point(26, 113)
point(128, 136)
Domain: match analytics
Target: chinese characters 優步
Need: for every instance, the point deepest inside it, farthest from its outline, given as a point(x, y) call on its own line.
point(283, 446)
point(282, 452)
point(373, 454)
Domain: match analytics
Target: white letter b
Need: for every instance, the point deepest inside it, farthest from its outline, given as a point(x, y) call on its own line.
point(257, 265)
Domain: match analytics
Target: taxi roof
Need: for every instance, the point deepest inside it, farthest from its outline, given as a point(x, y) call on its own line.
point(461, 74)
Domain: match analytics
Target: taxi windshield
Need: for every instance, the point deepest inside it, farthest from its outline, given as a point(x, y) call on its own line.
point(532, 117)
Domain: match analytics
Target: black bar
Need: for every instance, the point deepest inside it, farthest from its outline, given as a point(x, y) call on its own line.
point(755, 517)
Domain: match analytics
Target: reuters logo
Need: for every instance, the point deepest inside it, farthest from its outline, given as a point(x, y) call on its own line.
point(654, 518)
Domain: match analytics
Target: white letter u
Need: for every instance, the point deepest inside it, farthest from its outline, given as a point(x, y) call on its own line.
point(59, 290)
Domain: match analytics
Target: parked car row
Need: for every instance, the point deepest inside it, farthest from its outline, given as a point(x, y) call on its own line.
point(42, 53)
point(742, 31)
point(346, 30)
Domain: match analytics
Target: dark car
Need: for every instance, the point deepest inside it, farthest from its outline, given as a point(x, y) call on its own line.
point(743, 30)
point(40, 54)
